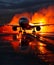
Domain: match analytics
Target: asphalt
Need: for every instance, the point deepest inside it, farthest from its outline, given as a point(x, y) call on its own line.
point(9, 57)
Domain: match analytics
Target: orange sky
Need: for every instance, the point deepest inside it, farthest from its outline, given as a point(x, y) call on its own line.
point(43, 16)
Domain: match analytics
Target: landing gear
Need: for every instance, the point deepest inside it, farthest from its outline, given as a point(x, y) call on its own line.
point(34, 32)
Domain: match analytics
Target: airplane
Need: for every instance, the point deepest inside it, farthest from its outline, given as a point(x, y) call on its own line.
point(25, 25)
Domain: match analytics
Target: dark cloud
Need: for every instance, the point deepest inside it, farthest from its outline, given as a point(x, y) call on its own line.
point(10, 7)
point(4, 19)
point(20, 3)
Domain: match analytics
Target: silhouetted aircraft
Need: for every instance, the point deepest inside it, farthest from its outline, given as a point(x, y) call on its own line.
point(25, 25)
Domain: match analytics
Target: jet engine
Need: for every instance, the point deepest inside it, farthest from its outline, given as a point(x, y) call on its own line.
point(14, 28)
point(38, 28)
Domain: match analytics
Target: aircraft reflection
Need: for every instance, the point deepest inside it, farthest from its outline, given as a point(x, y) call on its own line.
point(37, 45)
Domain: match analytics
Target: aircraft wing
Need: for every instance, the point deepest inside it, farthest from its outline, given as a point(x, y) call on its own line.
point(35, 25)
point(9, 25)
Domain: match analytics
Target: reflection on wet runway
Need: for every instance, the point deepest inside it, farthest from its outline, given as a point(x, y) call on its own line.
point(46, 49)
point(41, 47)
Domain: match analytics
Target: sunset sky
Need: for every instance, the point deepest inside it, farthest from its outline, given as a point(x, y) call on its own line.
point(8, 8)
point(39, 11)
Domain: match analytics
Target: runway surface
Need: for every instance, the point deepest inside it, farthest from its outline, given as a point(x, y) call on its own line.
point(42, 53)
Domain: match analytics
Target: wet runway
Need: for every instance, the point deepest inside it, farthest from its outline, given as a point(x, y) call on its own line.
point(42, 53)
